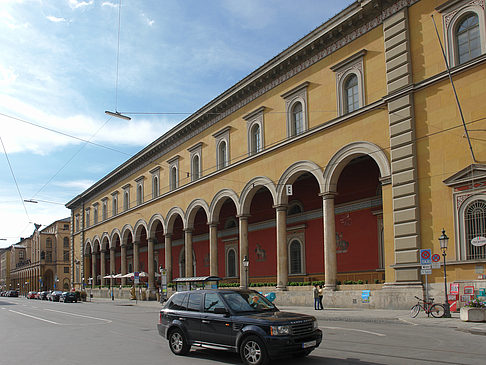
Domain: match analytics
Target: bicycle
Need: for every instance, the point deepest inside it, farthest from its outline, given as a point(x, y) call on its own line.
point(437, 310)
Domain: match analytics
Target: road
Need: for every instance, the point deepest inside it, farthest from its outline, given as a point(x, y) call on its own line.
point(109, 333)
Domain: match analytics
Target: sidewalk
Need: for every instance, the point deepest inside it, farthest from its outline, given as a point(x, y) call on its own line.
point(353, 315)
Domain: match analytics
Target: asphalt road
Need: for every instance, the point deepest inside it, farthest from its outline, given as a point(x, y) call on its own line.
point(109, 333)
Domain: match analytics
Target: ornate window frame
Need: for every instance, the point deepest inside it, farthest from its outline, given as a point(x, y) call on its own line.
point(126, 197)
point(173, 172)
point(353, 65)
point(222, 136)
point(114, 203)
point(155, 182)
point(104, 209)
point(298, 236)
point(253, 119)
point(468, 186)
point(76, 222)
point(292, 97)
point(87, 216)
point(232, 246)
point(140, 189)
point(95, 212)
point(196, 152)
point(453, 12)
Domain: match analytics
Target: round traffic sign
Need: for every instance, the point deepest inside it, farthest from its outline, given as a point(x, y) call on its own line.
point(425, 255)
point(435, 257)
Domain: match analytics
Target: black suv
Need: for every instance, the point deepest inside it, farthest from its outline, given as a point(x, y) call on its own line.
point(242, 321)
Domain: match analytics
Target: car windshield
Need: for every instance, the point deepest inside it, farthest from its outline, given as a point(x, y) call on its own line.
point(248, 302)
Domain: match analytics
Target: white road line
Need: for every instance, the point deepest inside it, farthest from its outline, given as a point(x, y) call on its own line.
point(80, 315)
point(404, 320)
point(38, 318)
point(354, 329)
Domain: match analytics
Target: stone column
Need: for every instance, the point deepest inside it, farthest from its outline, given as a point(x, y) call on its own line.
point(150, 258)
point(243, 232)
point(282, 248)
point(93, 269)
point(124, 263)
point(188, 252)
point(213, 249)
point(112, 264)
point(168, 256)
point(102, 267)
point(330, 261)
point(136, 265)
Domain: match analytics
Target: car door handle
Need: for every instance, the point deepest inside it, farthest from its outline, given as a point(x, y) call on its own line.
point(204, 321)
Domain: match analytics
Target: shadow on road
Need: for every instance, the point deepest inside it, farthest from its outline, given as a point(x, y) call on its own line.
point(224, 357)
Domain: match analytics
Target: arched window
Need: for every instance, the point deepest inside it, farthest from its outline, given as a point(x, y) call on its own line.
point(475, 224)
point(295, 208)
point(297, 119)
point(155, 187)
point(351, 95)
point(468, 38)
point(195, 168)
point(255, 139)
point(173, 178)
point(231, 263)
point(295, 254)
point(230, 223)
point(222, 150)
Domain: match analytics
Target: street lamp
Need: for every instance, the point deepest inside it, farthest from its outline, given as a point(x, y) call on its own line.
point(444, 240)
point(111, 285)
point(246, 262)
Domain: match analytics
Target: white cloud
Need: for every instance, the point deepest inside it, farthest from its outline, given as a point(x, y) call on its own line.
point(75, 184)
point(7, 76)
point(109, 4)
point(55, 19)
point(75, 4)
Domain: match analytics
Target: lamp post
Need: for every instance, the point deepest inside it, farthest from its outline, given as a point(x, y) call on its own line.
point(444, 240)
point(111, 285)
point(246, 262)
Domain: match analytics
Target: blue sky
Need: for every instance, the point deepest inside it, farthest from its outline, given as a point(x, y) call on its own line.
point(58, 65)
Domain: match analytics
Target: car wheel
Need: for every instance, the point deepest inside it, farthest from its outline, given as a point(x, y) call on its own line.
point(178, 343)
point(253, 351)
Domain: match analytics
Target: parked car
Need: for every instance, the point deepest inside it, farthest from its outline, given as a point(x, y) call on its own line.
point(54, 295)
point(242, 321)
point(68, 296)
point(31, 295)
point(13, 293)
point(43, 295)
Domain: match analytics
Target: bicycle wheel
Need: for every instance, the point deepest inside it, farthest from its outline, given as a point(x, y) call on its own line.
point(414, 310)
point(437, 310)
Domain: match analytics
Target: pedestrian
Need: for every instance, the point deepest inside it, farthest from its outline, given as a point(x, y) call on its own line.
point(321, 294)
point(315, 292)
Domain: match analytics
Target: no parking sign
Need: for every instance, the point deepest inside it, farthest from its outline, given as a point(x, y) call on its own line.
point(435, 261)
point(425, 257)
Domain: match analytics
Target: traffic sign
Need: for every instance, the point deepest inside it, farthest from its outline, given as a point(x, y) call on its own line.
point(426, 267)
point(435, 261)
point(136, 276)
point(425, 257)
point(426, 271)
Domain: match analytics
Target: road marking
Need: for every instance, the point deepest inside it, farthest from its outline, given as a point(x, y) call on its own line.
point(404, 320)
point(38, 318)
point(354, 329)
point(80, 315)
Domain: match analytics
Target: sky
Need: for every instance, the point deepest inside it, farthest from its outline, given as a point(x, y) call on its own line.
point(64, 62)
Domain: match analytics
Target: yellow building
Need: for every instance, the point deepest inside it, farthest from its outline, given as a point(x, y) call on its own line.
point(45, 262)
point(337, 160)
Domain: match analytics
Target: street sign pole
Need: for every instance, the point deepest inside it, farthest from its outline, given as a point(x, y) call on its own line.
point(426, 268)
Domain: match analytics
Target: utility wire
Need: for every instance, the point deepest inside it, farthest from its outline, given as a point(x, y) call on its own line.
point(117, 57)
point(13, 175)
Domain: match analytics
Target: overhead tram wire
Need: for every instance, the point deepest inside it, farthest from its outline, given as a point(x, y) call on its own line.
point(454, 90)
point(117, 114)
point(15, 180)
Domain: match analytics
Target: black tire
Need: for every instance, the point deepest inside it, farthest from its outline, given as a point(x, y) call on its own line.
point(437, 311)
point(178, 343)
point(253, 351)
point(414, 310)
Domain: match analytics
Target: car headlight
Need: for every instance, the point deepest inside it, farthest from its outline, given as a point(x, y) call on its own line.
point(315, 325)
point(279, 330)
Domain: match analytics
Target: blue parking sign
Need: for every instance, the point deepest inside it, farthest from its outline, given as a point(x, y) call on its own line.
point(426, 257)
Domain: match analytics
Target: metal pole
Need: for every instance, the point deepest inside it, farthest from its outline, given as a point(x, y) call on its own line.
point(447, 310)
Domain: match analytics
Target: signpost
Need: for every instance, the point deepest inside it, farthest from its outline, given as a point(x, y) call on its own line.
point(426, 269)
point(163, 284)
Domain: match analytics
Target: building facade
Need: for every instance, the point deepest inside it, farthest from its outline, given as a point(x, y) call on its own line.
point(45, 263)
point(337, 160)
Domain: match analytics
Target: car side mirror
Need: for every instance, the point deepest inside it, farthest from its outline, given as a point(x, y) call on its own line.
point(221, 311)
